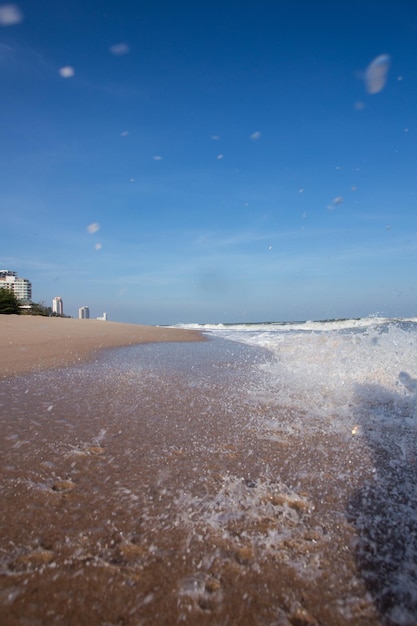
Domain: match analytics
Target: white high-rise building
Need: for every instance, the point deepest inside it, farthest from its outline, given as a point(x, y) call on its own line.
point(84, 313)
point(21, 287)
point(57, 306)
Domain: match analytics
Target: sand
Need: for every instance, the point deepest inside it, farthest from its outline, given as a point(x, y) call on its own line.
point(137, 489)
point(30, 343)
point(147, 487)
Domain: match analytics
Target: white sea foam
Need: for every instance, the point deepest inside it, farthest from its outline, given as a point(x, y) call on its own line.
point(340, 374)
point(352, 383)
point(296, 447)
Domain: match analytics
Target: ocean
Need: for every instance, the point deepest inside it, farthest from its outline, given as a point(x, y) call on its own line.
point(264, 476)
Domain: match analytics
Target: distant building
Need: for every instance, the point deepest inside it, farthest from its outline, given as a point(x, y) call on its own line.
point(21, 287)
point(103, 318)
point(57, 306)
point(84, 313)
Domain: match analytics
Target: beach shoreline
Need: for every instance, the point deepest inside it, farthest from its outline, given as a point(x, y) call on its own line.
point(197, 482)
point(147, 487)
point(34, 343)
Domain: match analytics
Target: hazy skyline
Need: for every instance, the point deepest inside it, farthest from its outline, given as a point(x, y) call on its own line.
point(233, 161)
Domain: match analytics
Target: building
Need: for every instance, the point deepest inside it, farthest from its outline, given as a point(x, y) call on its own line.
point(57, 306)
point(103, 318)
point(84, 313)
point(21, 287)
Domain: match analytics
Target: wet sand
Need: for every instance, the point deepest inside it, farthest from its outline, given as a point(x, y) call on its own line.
point(147, 487)
point(29, 343)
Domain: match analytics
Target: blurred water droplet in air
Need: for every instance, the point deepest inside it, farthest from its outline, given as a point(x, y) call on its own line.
point(219, 156)
point(98, 246)
point(255, 136)
point(124, 133)
point(335, 202)
point(67, 71)
point(215, 137)
point(10, 14)
point(119, 49)
point(93, 228)
point(157, 157)
point(376, 73)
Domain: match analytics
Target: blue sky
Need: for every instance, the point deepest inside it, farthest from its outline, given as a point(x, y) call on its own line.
point(184, 161)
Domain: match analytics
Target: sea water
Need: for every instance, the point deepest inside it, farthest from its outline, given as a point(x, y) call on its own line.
point(356, 379)
point(333, 369)
point(265, 476)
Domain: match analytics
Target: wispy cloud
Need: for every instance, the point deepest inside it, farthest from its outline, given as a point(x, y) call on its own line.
point(25, 59)
point(7, 53)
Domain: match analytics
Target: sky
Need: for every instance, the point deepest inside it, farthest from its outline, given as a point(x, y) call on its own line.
point(228, 161)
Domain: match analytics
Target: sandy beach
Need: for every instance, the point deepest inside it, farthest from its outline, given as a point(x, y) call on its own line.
point(162, 484)
point(30, 343)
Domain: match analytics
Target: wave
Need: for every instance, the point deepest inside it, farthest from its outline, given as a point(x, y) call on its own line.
point(300, 326)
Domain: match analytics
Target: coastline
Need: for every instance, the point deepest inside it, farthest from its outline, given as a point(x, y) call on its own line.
point(154, 490)
point(32, 343)
point(199, 482)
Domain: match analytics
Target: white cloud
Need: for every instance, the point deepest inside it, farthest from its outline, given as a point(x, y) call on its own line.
point(124, 133)
point(93, 228)
point(255, 136)
point(10, 14)
point(157, 157)
point(215, 137)
point(120, 49)
point(219, 156)
point(98, 246)
point(67, 71)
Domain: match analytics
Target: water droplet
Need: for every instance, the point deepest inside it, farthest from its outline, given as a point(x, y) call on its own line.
point(67, 71)
point(376, 73)
point(120, 49)
point(10, 14)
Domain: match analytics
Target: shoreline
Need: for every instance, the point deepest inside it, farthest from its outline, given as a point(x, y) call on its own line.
point(33, 343)
point(155, 490)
